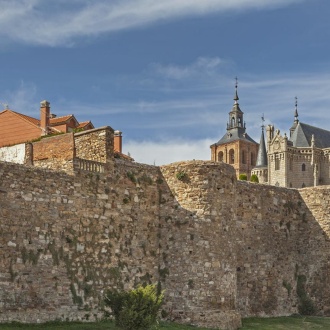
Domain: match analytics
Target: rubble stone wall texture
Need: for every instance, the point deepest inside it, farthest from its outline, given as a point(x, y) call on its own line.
point(198, 243)
point(65, 239)
point(219, 247)
point(96, 144)
point(283, 237)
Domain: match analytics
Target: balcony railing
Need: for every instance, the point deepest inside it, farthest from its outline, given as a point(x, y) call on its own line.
point(88, 165)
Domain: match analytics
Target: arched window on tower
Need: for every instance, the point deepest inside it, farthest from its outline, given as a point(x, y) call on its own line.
point(303, 167)
point(231, 156)
point(233, 122)
point(220, 156)
point(243, 157)
point(239, 122)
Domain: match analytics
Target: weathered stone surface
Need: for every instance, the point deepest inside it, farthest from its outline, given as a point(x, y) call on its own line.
point(220, 248)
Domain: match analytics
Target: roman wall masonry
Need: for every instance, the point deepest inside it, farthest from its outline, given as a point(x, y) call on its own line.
point(221, 248)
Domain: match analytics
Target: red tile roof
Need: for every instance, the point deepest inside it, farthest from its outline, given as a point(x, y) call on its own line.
point(84, 124)
point(60, 120)
point(27, 118)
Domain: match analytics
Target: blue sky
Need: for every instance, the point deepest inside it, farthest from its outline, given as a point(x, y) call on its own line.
point(163, 72)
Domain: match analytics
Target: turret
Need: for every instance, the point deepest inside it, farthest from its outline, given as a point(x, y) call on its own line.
point(235, 115)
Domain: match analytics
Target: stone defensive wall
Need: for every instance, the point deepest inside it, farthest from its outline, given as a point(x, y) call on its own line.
point(221, 248)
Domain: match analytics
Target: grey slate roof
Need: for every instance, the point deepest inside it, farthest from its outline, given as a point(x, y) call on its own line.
point(262, 160)
point(235, 134)
point(302, 136)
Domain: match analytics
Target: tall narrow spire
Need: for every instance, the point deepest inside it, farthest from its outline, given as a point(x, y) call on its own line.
point(236, 98)
point(296, 111)
point(262, 160)
point(296, 120)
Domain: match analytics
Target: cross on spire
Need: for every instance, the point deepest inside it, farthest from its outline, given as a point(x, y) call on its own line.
point(296, 110)
point(236, 94)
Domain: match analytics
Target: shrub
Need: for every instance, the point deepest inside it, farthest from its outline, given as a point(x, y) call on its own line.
point(242, 176)
point(254, 178)
point(181, 175)
point(136, 309)
point(306, 305)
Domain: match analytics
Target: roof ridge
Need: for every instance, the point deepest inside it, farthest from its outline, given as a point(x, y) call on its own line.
point(62, 116)
point(29, 119)
point(319, 128)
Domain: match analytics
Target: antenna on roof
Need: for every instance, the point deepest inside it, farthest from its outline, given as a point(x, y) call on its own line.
point(5, 105)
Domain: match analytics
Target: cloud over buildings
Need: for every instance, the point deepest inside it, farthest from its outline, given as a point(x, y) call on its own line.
point(61, 22)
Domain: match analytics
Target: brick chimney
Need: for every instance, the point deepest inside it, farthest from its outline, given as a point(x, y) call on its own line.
point(118, 141)
point(44, 117)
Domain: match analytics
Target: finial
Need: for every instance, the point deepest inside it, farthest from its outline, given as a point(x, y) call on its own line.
point(263, 122)
point(236, 95)
point(296, 110)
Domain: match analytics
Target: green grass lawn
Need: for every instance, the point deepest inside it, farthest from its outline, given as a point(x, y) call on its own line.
point(286, 323)
point(276, 323)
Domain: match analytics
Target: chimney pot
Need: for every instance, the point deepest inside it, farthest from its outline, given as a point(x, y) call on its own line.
point(118, 140)
point(44, 117)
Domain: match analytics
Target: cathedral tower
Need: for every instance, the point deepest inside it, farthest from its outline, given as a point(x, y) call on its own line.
point(236, 147)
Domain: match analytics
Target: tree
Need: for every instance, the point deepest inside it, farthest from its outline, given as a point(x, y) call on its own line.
point(136, 309)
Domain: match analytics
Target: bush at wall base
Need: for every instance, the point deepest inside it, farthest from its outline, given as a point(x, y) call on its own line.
point(242, 176)
point(136, 309)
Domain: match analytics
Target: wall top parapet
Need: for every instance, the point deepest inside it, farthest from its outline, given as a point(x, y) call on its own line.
point(94, 130)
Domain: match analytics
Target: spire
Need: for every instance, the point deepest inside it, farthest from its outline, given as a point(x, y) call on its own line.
point(296, 120)
point(262, 153)
point(236, 120)
point(236, 98)
point(296, 111)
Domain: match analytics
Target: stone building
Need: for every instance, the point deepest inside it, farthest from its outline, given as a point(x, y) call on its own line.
point(236, 147)
point(300, 160)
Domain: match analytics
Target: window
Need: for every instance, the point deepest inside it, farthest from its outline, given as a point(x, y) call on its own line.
point(231, 156)
point(243, 157)
point(220, 156)
point(277, 164)
point(303, 167)
point(232, 121)
point(253, 161)
point(290, 164)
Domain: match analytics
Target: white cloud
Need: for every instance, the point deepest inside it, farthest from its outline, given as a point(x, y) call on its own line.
point(59, 22)
point(162, 153)
point(22, 99)
point(205, 65)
